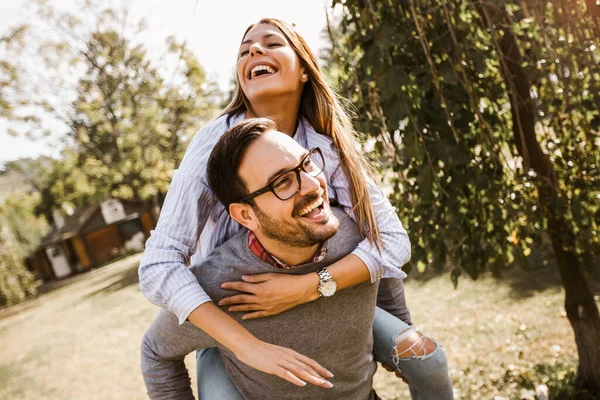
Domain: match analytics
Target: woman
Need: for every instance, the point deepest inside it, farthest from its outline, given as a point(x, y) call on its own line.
point(278, 77)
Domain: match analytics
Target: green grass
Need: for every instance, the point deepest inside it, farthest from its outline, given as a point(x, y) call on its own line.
point(81, 339)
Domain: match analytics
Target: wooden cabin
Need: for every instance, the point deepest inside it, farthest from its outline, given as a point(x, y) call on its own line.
point(92, 236)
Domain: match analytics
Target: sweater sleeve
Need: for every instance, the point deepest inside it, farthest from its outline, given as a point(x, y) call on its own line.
point(164, 347)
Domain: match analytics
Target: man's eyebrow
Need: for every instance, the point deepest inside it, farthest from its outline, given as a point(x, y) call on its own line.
point(268, 35)
point(282, 170)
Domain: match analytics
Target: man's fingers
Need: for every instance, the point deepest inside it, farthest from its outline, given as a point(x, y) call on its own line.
point(387, 368)
point(314, 365)
point(246, 307)
point(240, 286)
point(238, 299)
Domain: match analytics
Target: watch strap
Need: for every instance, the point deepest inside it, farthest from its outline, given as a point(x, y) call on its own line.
point(324, 275)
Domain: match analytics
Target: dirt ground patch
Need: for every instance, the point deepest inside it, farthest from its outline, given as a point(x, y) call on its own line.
point(80, 338)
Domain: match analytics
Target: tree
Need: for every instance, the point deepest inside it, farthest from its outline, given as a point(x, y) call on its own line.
point(16, 282)
point(127, 118)
point(9, 76)
point(485, 119)
point(20, 234)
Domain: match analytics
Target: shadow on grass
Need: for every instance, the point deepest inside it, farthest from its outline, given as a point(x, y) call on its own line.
point(51, 286)
point(118, 282)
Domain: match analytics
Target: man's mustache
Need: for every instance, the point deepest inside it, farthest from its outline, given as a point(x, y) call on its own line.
point(308, 199)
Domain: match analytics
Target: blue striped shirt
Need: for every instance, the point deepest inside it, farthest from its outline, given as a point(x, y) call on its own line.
point(193, 222)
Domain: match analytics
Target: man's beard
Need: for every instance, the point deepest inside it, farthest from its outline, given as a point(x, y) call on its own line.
point(297, 234)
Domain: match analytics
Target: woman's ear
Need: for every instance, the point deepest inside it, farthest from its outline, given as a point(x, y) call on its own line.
point(244, 214)
point(304, 76)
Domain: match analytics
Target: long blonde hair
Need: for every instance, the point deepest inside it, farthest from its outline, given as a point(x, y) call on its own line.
point(321, 107)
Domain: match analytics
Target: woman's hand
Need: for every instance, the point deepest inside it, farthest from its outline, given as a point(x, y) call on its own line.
point(284, 363)
point(271, 294)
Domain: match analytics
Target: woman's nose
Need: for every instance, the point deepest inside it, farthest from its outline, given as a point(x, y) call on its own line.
point(256, 49)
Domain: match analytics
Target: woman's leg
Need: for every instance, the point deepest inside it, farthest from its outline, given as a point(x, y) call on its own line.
point(417, 358)
point(214, 382)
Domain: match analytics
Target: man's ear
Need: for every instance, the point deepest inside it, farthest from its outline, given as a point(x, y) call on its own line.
point(244, 214)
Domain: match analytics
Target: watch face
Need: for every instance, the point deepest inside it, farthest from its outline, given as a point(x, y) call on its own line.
point(328, 288)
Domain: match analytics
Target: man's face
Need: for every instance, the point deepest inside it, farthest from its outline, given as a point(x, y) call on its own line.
point(287, 221)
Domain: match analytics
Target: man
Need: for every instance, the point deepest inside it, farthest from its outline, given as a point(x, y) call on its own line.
point(304, 232)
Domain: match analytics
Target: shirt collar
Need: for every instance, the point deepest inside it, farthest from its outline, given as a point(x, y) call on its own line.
point(257, 248)
point(301, 135)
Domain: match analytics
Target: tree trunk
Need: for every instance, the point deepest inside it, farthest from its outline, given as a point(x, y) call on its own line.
point(580, 306)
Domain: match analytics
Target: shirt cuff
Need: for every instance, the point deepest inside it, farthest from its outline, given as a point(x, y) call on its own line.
point(186, 300)
point(371, 263)
point(374, 266)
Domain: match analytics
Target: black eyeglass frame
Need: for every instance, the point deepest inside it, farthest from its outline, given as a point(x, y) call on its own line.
point(270, 186)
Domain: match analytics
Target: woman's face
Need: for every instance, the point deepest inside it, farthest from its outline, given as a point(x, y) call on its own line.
point(267, 65)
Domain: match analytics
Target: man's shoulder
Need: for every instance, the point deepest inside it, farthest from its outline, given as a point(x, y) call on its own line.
point(347, 237)
point(234, 249)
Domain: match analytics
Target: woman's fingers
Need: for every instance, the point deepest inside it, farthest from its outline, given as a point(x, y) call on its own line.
point(240, 286)
point(246, 307)
point(290, 377)
point(283, 362)
point(238, 299)
point(314, 365)
point(305, 373)
point(312, 376)
point(257, 314)
point(257, 278)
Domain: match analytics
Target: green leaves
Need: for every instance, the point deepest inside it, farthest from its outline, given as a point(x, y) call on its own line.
point(130, 117)
point(471, 192)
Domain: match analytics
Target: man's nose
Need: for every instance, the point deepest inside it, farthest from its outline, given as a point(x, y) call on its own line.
point(308, 184)
point(256, 49)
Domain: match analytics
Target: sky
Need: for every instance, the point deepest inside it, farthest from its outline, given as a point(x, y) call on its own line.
point(211, 28)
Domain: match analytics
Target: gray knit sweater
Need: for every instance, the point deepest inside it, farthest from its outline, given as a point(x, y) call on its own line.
point(336, 332)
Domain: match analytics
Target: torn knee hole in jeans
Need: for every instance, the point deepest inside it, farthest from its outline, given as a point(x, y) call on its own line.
point(410, 343)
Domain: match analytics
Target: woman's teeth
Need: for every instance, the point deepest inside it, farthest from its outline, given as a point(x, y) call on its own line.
point(261, 70)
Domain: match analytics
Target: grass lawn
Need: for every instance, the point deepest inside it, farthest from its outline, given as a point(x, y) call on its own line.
point(79, 339)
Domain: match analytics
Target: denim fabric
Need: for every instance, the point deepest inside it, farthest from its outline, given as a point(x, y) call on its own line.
point(213, 380)
point(427, 376)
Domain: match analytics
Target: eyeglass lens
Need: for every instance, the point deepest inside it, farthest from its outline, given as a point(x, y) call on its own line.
point(288, 184)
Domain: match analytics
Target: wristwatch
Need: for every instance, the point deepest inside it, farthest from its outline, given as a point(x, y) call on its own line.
point(327, 285)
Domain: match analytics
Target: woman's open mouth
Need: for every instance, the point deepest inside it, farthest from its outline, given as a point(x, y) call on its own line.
point(261, 70)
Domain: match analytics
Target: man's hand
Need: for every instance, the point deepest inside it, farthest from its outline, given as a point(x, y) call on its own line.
point(271, 294)
point(283, 362)
point(398, 375)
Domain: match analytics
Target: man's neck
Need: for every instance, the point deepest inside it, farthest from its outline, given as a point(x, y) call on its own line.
point(283, 111)
point(289, 255)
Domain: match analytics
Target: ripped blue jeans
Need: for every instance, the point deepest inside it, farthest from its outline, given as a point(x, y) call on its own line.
point(426, 375)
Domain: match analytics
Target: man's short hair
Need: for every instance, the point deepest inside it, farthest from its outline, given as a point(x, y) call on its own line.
point(226, 157)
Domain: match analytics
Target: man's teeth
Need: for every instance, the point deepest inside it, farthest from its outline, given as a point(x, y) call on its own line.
point(255, 70)
point(311, 207)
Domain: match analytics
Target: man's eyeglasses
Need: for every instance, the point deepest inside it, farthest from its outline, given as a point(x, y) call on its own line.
point(287, 184)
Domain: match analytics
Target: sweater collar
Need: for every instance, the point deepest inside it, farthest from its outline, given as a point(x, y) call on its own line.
point(259, 251)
